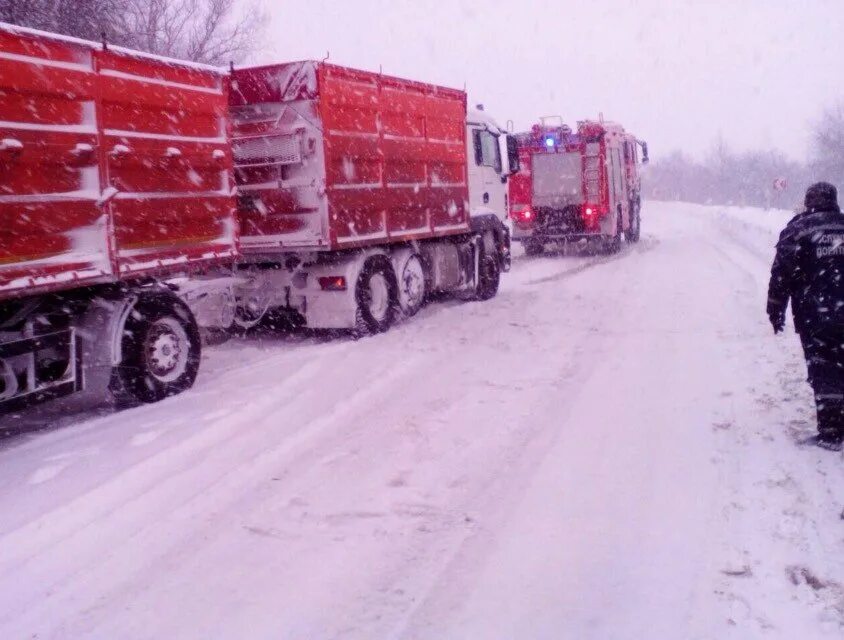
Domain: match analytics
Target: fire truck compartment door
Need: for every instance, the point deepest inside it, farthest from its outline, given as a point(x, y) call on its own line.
point(557, 179)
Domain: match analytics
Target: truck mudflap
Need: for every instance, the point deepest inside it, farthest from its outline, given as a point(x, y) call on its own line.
point(39, 368)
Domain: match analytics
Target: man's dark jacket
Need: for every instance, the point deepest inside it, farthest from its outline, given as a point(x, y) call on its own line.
point(809, 269)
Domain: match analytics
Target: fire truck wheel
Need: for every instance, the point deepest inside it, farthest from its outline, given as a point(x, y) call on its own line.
point(161, 348)
point(534, 248)
point(376, 295)
point(633, 233)
point(613, 243)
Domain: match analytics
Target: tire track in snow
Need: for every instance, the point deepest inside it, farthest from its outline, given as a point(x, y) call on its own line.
point(141, 473)
point(648, 243)
point(219, 489)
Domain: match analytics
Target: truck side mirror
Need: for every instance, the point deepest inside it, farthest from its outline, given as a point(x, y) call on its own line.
point(513, 154)
point(644, 152)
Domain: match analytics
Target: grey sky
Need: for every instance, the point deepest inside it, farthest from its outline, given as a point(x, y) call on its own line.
point(677, 73)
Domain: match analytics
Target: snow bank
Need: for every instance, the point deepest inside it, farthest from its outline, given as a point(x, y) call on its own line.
point(756, 229)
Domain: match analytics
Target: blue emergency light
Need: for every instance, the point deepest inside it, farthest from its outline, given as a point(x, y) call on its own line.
point(549, 142)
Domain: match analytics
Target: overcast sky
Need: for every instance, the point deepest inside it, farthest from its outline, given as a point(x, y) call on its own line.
point(675, 72)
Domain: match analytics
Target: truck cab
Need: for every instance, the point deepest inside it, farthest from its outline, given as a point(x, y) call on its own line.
point(487, 178)
point(488, 172)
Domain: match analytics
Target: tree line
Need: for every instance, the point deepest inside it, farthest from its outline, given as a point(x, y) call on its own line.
point(210, 31)
point(747, 179)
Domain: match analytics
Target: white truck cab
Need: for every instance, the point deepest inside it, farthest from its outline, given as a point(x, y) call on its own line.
point(486, 171)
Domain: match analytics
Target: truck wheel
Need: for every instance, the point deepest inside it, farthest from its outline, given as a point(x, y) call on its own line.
point(534, 248)
point(489, 276)
point(613, 245)
point(633, 233)
point(161, 350)
point(412, 285)
point(376, 294)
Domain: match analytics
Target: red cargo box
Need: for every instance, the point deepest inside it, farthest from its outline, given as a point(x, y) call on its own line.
point(331, 158)
point(113, 164)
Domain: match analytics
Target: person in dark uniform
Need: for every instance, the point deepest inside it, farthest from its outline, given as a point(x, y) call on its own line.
point(809, 270)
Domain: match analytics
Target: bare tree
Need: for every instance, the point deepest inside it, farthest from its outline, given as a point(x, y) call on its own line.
point(726, 177)
point(88, 19)
point(828, 146)
point(211, 31)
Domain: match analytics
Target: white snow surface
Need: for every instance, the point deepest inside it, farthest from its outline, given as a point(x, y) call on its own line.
point(605, 450)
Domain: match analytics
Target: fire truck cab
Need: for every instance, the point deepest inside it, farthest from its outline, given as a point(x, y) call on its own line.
point(581, 185)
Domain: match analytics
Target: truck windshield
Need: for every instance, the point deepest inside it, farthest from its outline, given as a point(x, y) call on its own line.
point(557, 179)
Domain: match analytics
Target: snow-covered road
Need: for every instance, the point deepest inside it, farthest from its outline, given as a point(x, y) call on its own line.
point(605, 450)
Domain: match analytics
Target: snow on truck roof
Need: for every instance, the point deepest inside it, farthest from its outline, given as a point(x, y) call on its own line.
point(90, 44)
point(344, 69)
point(475, 116)
point(223, 71)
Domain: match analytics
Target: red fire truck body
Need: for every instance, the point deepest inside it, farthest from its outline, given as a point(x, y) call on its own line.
point(576, 186)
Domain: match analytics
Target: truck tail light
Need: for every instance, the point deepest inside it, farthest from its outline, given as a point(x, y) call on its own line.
point(522, 215)
point(590, 216)
point(333, 283)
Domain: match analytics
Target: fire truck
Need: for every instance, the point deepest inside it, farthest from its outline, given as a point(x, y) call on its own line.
point(581, 185)
point(123, 238)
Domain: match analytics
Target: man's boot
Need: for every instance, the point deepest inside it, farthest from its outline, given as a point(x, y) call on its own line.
point(830, 408)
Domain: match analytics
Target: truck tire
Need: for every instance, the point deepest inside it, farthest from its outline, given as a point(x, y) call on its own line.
point(161, 347)
point(613, 243)
point(489, 276)
point(376, 294)
point(633, 233)
point(413, 285)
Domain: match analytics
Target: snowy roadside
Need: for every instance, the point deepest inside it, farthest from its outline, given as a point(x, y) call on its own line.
point(784, 574)
point(756, 229)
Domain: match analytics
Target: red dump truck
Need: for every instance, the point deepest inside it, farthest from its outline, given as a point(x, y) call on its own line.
point(360, 194)
point(581, 185)
point(121, 235)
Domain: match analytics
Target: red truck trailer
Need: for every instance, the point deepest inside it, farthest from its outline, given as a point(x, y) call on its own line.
point(360, 194)
point(582, 185)
point(115, 183)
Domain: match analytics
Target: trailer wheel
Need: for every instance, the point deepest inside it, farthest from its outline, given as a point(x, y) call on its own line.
point(376, 294)
point(161, 350)
point(413, 285)
point(633, 233)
